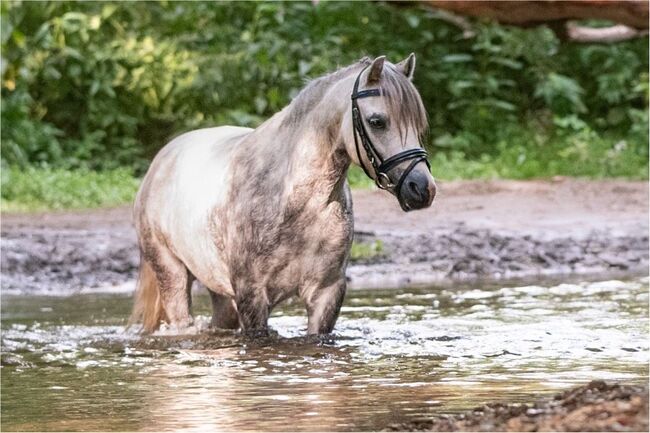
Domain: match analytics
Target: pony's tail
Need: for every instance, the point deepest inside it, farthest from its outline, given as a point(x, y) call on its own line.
point(147, 307)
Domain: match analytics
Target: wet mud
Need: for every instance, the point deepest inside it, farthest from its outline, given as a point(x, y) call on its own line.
point(597, 406)
point(464, 253)
point(475, 230)
point(69, 261)
point(66, 261)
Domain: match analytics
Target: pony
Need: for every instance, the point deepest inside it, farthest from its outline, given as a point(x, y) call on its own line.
point(261, 215)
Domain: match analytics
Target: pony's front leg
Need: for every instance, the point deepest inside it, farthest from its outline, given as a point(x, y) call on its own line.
point(253, 310)
point(323, 306)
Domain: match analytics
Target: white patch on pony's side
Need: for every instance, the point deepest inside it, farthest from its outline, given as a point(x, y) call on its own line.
point(194, 185)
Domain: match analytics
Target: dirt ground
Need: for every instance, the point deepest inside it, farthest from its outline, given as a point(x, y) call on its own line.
point(597, 406)
point(508, 229)
point(474, 230)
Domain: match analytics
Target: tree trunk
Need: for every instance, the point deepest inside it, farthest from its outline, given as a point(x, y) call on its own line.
point(631, 16)
point(526, 13)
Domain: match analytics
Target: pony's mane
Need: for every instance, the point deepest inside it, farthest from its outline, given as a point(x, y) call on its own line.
point(314, 91)
point(402, 99)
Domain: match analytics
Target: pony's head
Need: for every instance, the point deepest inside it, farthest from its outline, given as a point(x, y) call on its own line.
point(386, 122)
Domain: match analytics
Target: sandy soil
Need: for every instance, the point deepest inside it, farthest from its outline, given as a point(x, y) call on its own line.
point(475, 229)
point(597, 406)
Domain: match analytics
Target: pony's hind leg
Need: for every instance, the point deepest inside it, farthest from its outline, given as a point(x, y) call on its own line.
point(175, 292)
point(224, 312)
point(173, 284)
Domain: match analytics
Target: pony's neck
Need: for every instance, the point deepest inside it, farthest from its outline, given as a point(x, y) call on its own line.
point(319, 161)
point(299, 155)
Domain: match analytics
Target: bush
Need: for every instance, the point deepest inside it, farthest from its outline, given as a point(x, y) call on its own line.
point(97, 85)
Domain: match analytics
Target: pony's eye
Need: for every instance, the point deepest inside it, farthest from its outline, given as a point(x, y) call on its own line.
point(377, 122)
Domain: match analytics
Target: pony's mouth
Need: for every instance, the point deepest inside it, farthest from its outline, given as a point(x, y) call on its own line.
point(415, 189)
point(405, 206)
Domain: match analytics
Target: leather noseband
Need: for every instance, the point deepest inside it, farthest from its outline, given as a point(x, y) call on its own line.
point(381, 167)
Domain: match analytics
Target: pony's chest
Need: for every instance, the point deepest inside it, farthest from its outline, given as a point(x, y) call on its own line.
point(281, 249)
point(318, 234)
point(309, 253)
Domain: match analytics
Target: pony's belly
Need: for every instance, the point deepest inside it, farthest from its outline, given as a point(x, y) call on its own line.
point(205, 262)
point(193, 242)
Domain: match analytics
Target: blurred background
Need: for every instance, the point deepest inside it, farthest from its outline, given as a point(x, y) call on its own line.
point(91, 90)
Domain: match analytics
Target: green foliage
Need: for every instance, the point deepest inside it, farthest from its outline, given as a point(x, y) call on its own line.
point(366, 250)
point(574, 149)
point(100, 85)
point(29, 189)
point(105, 95)
point(358, 179)
point(562, 94)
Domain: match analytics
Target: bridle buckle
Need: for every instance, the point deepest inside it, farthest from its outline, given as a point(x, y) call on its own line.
point(383, 181)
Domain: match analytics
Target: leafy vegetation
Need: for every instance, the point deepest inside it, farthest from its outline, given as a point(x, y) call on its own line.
point(103, 85)
point(366, 250)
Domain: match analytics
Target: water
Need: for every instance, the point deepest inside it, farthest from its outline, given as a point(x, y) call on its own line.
point(398, 355)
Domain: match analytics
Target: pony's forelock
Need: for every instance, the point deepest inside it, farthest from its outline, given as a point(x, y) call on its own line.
point(403, 101)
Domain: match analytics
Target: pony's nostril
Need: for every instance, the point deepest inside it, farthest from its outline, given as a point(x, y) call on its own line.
point(415, 190)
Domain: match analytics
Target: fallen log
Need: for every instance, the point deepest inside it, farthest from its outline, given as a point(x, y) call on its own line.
point(630, 17)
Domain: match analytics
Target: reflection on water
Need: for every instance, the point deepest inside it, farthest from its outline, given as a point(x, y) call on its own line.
point(68, 363)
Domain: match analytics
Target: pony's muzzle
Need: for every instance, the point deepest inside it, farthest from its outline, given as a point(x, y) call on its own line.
point(418, 190)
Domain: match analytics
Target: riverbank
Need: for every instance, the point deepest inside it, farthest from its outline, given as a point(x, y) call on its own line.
point(597, 406)
point(475, 230)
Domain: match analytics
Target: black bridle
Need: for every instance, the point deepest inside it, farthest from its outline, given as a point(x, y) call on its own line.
point(383, 167)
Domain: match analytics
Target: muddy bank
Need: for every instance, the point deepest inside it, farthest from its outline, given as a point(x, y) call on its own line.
point(465, 254)
point(475, 230)
point(67, 261)
point(597, 406)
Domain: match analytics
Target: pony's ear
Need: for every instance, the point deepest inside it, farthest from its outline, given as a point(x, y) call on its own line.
point(407, 66)
point(375, 69)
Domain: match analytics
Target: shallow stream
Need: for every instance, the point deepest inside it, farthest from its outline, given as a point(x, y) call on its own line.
point(397, 355)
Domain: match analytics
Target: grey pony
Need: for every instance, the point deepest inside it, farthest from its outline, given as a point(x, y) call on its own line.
point(258, 216)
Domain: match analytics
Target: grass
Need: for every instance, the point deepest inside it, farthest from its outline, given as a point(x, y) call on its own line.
point(523, 156)
point(37, 189)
